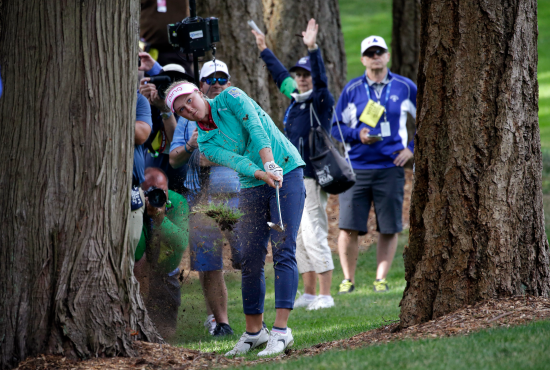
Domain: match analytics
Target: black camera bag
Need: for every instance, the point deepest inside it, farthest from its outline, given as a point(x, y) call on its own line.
point(332, 171)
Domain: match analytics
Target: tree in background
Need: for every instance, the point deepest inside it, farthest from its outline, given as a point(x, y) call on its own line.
point(405, 42)
point(477, 222)
point(237, 47)
point(405, 45)
point(281, 20)
point(284, 20)
point(67, 113)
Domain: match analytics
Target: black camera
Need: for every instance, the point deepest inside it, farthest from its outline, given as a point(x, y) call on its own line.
point(162, 83)
point(155, 196)
point(194, 35)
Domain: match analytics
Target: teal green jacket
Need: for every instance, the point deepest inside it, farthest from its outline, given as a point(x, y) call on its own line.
point(243, 130)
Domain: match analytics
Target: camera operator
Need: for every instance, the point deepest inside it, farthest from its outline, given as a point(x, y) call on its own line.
point(164, 123)
point(164, 238)
point(206, 239)
point(142, 130)
point(307, 90)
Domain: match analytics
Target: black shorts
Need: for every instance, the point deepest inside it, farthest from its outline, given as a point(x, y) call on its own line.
point(384, 187)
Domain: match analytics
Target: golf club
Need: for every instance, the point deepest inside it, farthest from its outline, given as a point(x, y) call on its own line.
point(279, 227)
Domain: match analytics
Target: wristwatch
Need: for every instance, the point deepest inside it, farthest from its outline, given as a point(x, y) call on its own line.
point(165, 115)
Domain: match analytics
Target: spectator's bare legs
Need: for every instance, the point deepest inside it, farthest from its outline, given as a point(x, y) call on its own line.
point(310, 282)
point(325, 279)
point(215, 294)
point(385, 251)
point(348, 249)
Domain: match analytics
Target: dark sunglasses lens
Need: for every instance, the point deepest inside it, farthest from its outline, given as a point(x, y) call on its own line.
point(212, 80)
point(371, 54)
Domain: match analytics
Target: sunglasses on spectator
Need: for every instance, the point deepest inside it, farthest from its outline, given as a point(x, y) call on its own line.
point(212, 80)
point(372, 53)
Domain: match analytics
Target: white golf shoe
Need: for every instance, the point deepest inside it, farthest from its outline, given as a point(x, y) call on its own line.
point(248, 342)
point(304, 301)
point(277, 343)
point(322, 301)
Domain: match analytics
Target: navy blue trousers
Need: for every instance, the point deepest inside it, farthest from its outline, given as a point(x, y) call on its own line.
point(259, 205)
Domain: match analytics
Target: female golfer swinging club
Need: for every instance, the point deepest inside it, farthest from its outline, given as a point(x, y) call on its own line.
point(234, 131)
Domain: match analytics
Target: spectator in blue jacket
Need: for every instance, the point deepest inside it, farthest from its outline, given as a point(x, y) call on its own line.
point(307, 91)
point(378, 148)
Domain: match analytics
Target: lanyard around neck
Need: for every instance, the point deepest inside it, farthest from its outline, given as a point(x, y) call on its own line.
point(388, 88)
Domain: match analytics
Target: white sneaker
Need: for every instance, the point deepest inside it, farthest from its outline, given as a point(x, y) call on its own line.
point(303, 301)
point(248, 342)
point(277, 343)
point(210, 324)
point(321, 301)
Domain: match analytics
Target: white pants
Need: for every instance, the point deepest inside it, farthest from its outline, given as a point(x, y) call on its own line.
point(312, 250)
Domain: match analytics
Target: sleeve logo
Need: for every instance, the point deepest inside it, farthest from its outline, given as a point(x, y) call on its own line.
point(234, 92)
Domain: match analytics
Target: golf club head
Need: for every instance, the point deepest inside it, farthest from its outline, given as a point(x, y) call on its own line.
point(275, 227)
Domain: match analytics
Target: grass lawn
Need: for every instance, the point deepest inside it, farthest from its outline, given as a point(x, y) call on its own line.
point(354, 313)
point(524, 347)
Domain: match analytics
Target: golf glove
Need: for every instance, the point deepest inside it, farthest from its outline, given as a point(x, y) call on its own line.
point(273, 168)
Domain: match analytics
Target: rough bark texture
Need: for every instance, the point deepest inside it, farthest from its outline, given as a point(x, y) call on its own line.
point(477, 222)
point(405, 42)
point(281, 20)
point(237, 46)
point(285, 19)
point(67, 113)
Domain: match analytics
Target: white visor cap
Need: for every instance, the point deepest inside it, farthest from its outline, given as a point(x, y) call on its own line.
point(371, 41)
point(209, 68)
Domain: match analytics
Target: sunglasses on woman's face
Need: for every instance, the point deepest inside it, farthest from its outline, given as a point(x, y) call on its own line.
point(212, 80)
point(372, 53)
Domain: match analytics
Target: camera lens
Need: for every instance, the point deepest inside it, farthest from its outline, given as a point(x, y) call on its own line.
point(156, 197)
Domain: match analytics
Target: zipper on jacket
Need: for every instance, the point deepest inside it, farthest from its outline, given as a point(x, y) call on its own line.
point(235, 141)
point(301, 147)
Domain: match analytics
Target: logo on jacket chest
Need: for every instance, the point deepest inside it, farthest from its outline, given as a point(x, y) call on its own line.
point(303, 106)
point(394, 98)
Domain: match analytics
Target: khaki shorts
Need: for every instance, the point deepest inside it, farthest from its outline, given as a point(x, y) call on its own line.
point(312, 250)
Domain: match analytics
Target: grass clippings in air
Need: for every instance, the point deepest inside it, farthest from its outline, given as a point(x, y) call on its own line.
point(225, 216)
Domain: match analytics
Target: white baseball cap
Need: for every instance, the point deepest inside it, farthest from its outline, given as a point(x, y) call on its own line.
point(373, 41)
point(209, 68)
point(177, 68)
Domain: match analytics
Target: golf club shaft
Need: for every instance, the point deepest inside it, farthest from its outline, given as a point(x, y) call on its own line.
point(279, 204)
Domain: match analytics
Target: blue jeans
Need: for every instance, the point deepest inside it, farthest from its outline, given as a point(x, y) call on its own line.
point(259, 205)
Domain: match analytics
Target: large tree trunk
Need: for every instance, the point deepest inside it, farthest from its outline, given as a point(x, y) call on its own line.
point(281, 20)
point(405, 42)
point(477, 222)
point(284, 20)
point(67, 113)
